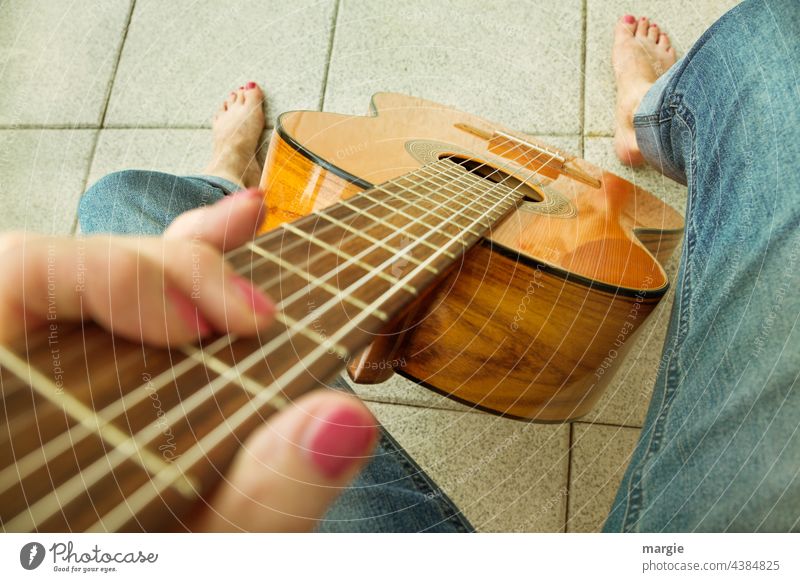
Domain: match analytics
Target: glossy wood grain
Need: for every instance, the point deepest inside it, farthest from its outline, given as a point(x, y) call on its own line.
point(534, 322)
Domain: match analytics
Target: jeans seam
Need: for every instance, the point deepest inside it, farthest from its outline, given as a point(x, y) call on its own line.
point(427, 487)
point(679, 113)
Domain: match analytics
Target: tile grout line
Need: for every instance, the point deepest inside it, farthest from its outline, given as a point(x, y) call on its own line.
point(93, 150)
point(334, 21)
point(569, 476)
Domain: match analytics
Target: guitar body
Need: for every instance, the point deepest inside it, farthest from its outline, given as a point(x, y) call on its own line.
point(534, 319)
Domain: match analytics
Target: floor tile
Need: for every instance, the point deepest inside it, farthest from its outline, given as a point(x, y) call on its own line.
point(683, 20)
point(504, 475)
point(42, 175)
point(182, 57)
point(176, 151)
point(600, 455)
point(57, 60)
point(517, 63)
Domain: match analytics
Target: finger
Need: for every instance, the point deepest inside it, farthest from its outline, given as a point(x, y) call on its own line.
point(225, 225)
point(144, 289)
point(203, 288)
point(293, 468)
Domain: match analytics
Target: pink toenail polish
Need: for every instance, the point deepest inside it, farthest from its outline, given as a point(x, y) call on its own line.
point(251, 85)
point(629, 19)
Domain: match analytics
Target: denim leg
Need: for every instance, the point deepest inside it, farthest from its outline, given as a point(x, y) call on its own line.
point(720, 448)
point(141, 202)
point(393, 494)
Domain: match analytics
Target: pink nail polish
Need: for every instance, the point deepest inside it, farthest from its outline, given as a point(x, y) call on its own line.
point(340, 440)
point(629, 18)
point(251, 85)
point(255, 299)
point(188, 312)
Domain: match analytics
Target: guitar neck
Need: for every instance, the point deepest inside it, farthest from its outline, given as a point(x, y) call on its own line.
point(106, 434)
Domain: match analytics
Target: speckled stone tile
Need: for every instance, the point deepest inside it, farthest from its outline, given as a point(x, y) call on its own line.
point(57, 60)
point(175, 151)
point(600, 455)
point(181, 58)
point(42, 174)
point(683, 20)
point(504, 475)
point(517, 63)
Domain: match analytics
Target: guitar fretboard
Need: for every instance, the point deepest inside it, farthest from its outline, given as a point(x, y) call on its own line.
point(104, 434)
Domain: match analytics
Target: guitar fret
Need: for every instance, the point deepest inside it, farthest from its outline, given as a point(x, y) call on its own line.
point(487, 186)
point(421, 241)
point(88, 418)
point(292, 323)
point(427, 210)
point(438, 192)
point(354, 301)
point(374, 240)
point(332, 249)
point(393, 209)
point(464, 206)
point(231, 374)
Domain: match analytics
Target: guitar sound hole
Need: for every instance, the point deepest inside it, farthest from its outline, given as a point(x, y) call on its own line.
point(496, 175)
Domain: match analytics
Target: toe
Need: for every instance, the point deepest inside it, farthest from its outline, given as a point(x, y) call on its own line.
point(240, 96)
point(642, 26)
point(253, 92)
point(231, 98)
point(663, 41)
point(626, 25)
point(653, 32)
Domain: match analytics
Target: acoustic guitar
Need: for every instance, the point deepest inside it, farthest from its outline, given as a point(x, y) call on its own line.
point(418, 240)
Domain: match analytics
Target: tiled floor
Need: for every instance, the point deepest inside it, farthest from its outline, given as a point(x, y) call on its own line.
point(87, 88)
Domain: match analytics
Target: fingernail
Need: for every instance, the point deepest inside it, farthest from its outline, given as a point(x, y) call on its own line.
point(629, 19)
point(251, 193)
point(339, 441)
point(188, 312)
point(256, 300)
point(251, 85)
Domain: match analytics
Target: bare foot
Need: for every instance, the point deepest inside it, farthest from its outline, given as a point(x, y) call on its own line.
point(641, 54)
point(237, 127)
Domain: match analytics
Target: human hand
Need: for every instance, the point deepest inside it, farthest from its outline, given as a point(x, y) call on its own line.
point(291, 469)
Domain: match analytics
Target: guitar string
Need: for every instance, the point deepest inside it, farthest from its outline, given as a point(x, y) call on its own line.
point(453, 242)
point(458, 214)
point(24, 467)
point(198, 451)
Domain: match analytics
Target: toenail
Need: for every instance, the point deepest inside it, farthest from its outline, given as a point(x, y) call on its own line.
point(251, 85)
point(629, 19)
point(241, 88)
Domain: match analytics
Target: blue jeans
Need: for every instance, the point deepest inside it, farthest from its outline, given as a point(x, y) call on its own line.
point(720, 448)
